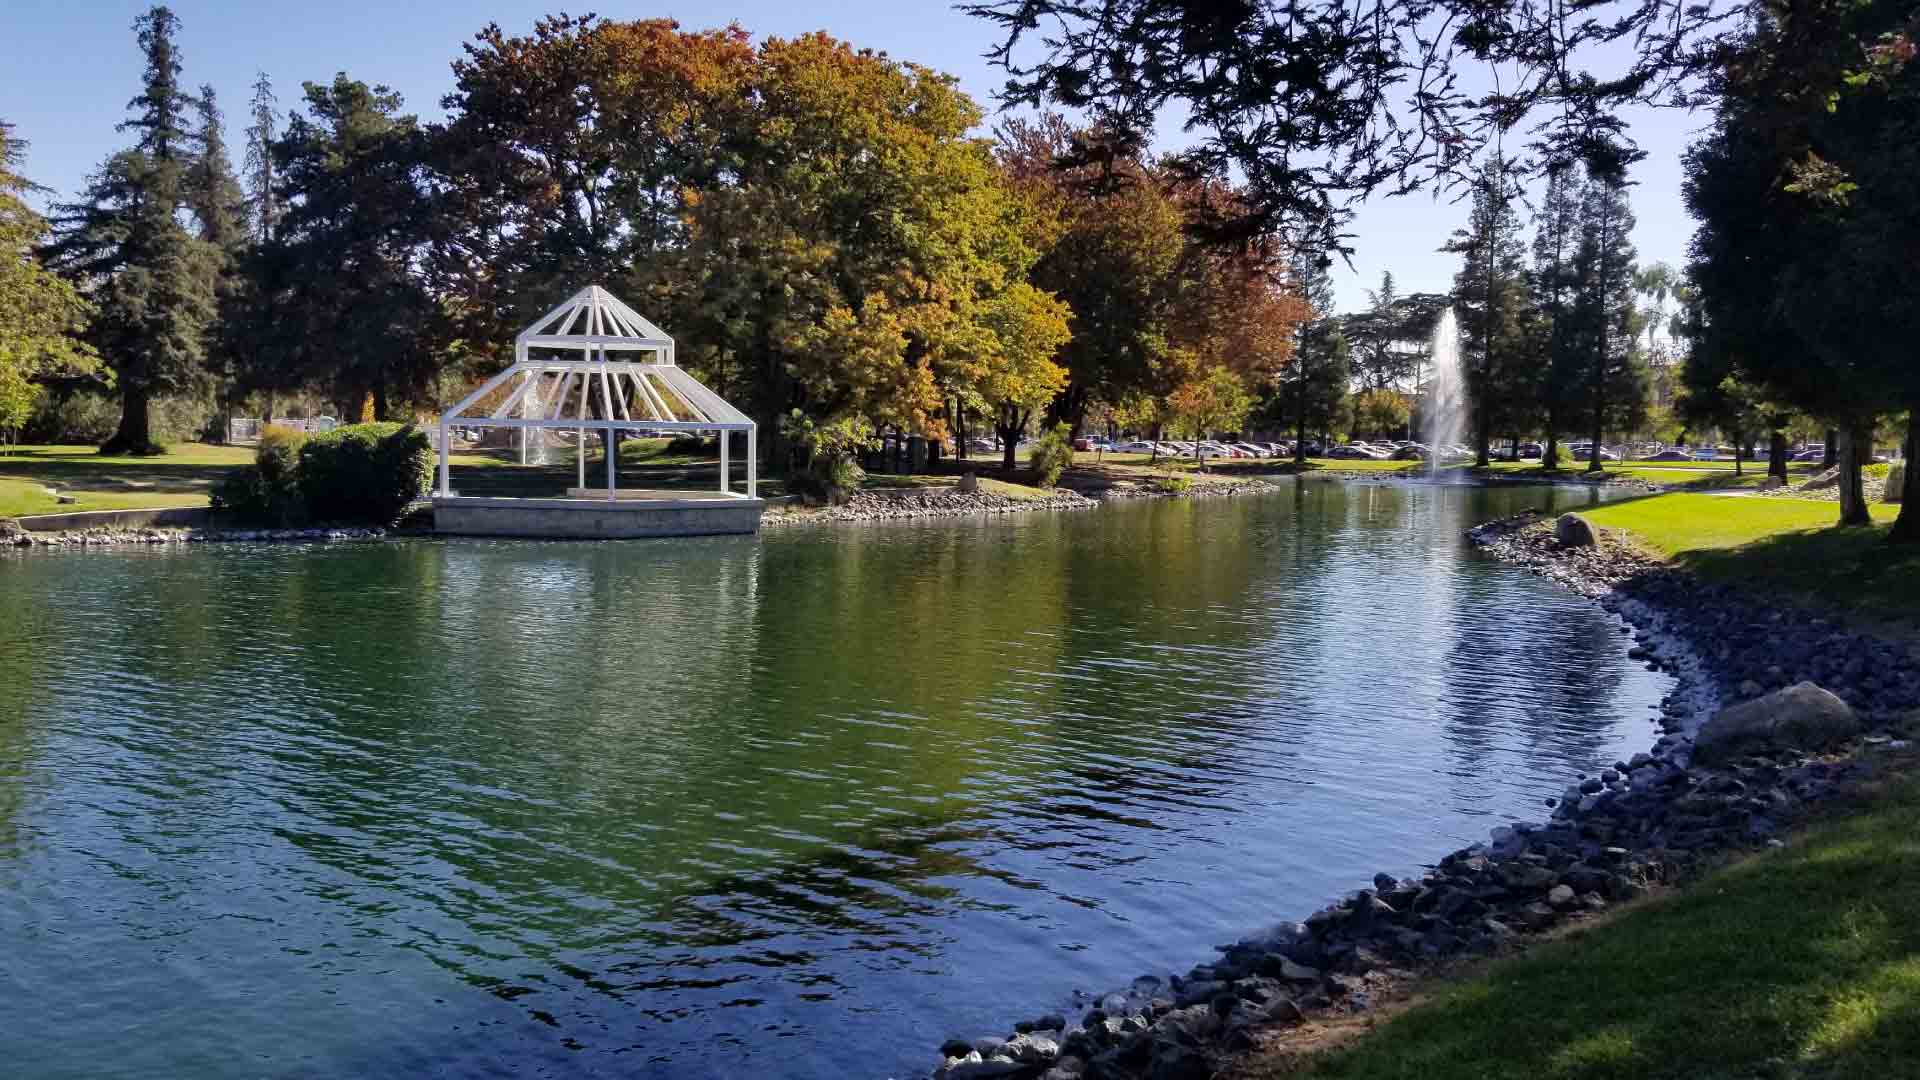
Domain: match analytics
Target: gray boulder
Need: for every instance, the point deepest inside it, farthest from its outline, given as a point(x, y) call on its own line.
point(1802, 715)
point(1572, 530)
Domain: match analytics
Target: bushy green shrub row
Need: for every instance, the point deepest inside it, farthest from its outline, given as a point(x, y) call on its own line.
point(362, 474)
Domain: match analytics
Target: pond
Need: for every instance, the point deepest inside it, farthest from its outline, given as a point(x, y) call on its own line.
point(805, 804)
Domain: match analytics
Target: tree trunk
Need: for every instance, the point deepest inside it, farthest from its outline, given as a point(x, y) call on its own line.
point(959, 431)
point(1513, 449)
point(1599, 430)
point(1828, 448)
point(1153, 458)
point(1856, 444)
point(135, 434)
point(1482, 453)
point(1007, 432)
point(1777, 449)
point(1906, 527)
point(1739, 456)
point(1300, 437)
point(1550, 457)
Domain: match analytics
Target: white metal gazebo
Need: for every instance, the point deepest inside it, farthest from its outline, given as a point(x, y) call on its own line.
point(593, 364)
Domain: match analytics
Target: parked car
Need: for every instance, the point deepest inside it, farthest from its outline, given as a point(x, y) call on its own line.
point(1413, 452)
point(1809, 455)
point(1584, 452)
point(1531, 450)
point(1669, 455)
point(1351, 453)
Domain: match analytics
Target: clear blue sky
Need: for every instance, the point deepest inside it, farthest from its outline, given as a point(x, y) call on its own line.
point(68, 68)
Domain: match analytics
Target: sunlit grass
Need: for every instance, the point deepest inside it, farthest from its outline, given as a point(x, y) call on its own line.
point(1788, 546)
point(27, 498)
point(1802, 962)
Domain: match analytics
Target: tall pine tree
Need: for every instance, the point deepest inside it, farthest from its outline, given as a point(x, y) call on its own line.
point(1606, 332)
point(1490, 302)
point(219, 208)
point(263, 193)
point(1314, 384)
point(1556, 240)
point(128, 249)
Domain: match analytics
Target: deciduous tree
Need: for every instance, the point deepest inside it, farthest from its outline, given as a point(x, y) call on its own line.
point(41, 314)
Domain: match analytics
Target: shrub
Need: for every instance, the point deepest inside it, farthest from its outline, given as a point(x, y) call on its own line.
point(688, 443)
point(1052, 453)
point(365, 473)
point(79, 417)
point(829, 471)
point(1173, 485)
point(266, 492)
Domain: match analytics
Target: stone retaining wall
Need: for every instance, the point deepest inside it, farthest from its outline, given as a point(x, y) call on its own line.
point(173, 517)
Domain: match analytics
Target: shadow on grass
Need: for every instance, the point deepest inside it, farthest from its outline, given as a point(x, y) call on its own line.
point(1799, 963)
point(1849, 568)
point(116, 475)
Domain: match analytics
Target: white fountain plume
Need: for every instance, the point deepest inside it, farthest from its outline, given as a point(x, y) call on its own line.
point(1445, 413)
point(533, 441)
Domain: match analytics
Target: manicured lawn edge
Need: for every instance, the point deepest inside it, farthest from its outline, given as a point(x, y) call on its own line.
point(1802, 961)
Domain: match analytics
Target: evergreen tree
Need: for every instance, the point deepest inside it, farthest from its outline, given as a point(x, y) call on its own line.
point(343, 271)
point(1807, 191)
point(1606, 330)
point(1490, 302)
point(124, 243)
point(1555, 242)
point(213, 194)
point(219, 210)
point(1312, 389)
point(263, 195)
point(1375, 335)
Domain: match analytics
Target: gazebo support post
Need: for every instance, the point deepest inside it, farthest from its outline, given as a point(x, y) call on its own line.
point(446, 485)
point(725, 438)
point(753, 463)
point(580, 458)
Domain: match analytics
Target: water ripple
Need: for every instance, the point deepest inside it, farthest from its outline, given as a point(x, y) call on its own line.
point(809, 803)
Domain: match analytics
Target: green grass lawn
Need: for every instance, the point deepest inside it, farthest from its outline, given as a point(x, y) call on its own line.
point(26, 498)
point(1790, 546)
point(1802, 962)
point(1700, 476)
point(180, 477)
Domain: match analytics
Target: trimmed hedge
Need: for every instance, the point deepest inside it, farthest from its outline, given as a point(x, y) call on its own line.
point(268, 491)
point(365, 473)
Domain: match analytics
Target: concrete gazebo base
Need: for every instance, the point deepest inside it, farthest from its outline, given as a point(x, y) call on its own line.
point(633, 514)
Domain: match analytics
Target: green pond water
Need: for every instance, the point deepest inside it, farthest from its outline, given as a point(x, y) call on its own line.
point(802, 805)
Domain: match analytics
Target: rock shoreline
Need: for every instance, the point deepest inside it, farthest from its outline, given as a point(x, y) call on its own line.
point(1655, 819)
point(901, 504)
point(154, 535)
point(911, 503)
